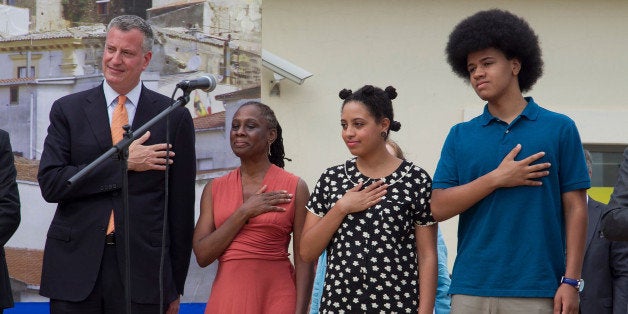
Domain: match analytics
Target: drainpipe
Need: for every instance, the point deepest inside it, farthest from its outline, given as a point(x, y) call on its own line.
point(31, 133)
point(32, 127)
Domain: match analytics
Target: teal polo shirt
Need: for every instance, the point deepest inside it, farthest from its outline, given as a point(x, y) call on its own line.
point(512, 242)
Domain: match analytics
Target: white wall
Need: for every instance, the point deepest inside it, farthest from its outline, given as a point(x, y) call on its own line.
point(36, 217)
point(47, 93)
point(14, 20)
point(48, 15)
point(401, 43)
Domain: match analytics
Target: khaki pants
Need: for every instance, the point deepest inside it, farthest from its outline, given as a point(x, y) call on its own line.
point(466, 304)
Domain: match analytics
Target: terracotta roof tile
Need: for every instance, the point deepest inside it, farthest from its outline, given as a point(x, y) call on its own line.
point(12, 81)
point(26, 168)
point(177, 4)
point(247, 93)
point(25, 264)
point(89, 31)
point(210, 121)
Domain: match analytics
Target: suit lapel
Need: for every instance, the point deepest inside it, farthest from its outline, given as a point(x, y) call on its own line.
point(95, 110)
point(146, 110)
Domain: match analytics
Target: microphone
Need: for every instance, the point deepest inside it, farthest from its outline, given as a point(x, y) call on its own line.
point(207, 83)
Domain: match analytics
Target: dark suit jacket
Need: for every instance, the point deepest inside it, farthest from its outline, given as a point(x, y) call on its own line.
point(605, 269)
point(9, 213)
point(79, 132)
point(615, 222)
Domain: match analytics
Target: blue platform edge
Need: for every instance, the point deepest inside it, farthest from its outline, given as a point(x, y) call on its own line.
point(44, 308)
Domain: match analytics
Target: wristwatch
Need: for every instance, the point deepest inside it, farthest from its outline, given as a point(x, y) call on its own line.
point(576, 283)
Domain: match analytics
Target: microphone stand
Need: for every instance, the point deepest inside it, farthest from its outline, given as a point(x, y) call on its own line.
point(122, 149)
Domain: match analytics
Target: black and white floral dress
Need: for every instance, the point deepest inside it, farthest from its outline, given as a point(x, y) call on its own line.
point(371, 259)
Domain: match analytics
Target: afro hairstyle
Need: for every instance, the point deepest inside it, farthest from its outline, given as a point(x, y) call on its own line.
point(501, 30)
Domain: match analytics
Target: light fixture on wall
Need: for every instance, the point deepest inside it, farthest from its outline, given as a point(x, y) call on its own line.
point(284, 68)
point(275, 88)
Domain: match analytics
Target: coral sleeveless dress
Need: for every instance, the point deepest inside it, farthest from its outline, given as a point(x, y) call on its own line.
point(254, 274)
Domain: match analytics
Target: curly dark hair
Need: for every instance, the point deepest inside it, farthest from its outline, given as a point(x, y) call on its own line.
point(501, 30)
point(377, 101)
point(276, 154)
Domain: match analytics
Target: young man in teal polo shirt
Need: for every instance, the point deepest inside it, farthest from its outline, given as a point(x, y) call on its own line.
point(517, 177)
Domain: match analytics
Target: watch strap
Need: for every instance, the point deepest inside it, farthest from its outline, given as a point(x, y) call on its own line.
point(576, 283)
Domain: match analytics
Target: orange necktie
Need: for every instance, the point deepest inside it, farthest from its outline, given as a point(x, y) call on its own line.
point(120, 118)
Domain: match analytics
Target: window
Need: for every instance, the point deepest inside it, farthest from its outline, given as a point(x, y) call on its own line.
point(21, 72)
point(102, 7)
point(14, 92)
point(605, 162)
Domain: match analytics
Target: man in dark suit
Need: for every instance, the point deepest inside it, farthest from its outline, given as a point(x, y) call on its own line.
point(83, 267)
point(9, 214)
point(605, 267)
point(615, 222)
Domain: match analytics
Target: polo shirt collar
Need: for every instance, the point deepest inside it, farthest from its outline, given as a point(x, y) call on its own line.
point(530, 112)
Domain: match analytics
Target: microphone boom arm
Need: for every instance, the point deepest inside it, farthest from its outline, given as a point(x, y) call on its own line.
point(126, 142)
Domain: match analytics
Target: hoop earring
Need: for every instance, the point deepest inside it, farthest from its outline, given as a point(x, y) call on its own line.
point(383, 134)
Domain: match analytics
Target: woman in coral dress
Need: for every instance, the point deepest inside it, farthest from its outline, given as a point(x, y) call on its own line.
point(246, 220)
